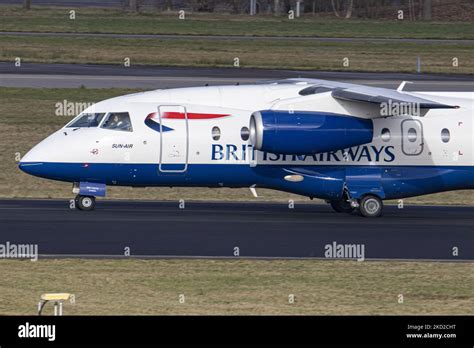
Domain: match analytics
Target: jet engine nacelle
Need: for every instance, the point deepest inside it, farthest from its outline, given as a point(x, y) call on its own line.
point(302, 132)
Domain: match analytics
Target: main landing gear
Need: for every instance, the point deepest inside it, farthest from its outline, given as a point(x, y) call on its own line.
point(342, 206)
point(371, 206)
point(368, 206)
point(85, 202)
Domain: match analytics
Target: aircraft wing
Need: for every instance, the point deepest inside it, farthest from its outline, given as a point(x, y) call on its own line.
point(364, 95)
point(378, 96)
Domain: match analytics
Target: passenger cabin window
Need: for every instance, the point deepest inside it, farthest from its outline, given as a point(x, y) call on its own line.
point(385, 134)
point(118, 121)
point(412, 135)
point(87, 120)
point(216, 133)
point(244, 133)
point(445, 135)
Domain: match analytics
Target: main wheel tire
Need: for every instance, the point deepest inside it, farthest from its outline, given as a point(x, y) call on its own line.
point(341, 206)
point(85, 202)
point(371, 206)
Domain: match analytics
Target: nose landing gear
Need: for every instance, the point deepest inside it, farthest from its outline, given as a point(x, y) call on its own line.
point(86, 193)
point(85, 202)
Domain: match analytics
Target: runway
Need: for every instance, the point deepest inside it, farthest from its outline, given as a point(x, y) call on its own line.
point(153, 77)
point(215, 230)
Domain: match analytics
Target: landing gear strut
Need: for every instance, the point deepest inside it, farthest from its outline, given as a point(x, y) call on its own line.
point(371, 206)
point(342, 206)
point(345, 204)
point(85, 202)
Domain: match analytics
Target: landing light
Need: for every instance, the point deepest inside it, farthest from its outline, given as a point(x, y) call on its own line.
point(294, 178)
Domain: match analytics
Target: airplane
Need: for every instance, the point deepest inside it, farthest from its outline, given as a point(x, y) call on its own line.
point(353, 146)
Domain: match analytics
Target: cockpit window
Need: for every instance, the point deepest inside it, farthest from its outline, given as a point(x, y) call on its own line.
point(118, 121)
point(87, 120)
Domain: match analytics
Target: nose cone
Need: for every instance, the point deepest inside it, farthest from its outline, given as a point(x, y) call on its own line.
point(61, 155)
point(29, 168)
point(31, 163)
point(38, 159)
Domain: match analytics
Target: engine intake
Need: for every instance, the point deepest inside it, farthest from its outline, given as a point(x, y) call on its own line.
point(303, 132)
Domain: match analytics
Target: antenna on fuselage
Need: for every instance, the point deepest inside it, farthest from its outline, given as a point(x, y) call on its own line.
point(254, 191)
point(402, 85)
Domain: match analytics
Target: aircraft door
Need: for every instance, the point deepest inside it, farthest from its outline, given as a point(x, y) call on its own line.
point(174, 139)
point(412, 137)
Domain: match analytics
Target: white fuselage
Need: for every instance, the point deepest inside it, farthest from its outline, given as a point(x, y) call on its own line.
point(213, 133)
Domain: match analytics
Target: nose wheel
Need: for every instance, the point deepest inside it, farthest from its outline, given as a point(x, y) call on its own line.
point(85, 202)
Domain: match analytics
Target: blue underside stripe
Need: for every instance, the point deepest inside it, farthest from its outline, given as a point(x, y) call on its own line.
point(320, 181)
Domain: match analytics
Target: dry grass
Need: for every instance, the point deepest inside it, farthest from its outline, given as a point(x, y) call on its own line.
point(291, 54)
point(95, 20)
point(304, 55)
point(239, 286)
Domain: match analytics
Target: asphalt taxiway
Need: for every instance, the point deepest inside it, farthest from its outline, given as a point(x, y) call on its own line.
point(153, 77)
point(258, 230)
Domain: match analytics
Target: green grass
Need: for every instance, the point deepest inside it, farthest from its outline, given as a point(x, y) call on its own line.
point(41, 19)
point(263, 53)
point(278, 54)
point(27, 115)
point(153, 287)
